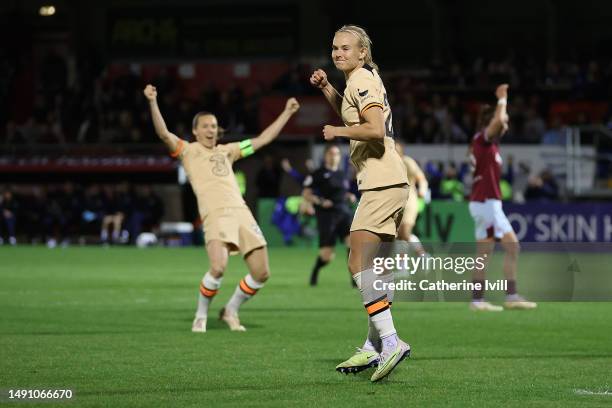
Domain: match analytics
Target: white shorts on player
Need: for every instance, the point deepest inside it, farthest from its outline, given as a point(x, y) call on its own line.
point(490, 220)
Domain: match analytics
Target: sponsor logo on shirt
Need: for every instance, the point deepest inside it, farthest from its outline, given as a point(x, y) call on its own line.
point(498, 159)
point(256, 229)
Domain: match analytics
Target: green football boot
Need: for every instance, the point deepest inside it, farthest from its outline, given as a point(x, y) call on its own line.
point(361, 360)
point(388, 361)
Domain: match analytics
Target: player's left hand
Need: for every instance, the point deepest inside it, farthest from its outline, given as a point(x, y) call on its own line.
point(292, 105)
point(351, 197)
point(329, 132)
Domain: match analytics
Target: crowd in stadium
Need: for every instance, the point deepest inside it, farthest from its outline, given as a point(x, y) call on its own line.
point(67, 214)
point(80, 104)
point(71, 213)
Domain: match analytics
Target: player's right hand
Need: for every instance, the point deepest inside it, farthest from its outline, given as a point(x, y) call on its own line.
point(319, 79)
point(502, 91)
point(150, 92)
point(327, 203)
point(286, 165)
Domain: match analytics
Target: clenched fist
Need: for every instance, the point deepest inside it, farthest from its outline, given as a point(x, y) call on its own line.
point(150, 92)
point(502, 91)
point(329, 132)
point(292, 105)
point(319, 79)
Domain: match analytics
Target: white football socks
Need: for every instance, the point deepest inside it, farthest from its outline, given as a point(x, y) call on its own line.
point(209, 286)
point(380, 321)
point(246, 289)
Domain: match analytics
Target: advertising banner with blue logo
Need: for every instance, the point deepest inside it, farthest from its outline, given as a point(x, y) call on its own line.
point(448, 221)
point(557, 222)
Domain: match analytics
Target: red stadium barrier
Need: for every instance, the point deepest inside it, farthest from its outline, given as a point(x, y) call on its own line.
point(570, 111)
point(84, 164)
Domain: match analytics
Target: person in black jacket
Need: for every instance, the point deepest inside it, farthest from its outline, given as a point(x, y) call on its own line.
point(327, 189)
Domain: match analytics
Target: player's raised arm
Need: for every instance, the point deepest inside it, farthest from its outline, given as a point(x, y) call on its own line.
point(373, 127)
point(499, 123)
point(273, 130)
point(319, 79)
point(170, 139)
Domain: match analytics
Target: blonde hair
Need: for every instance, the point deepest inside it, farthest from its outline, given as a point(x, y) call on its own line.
point(364, 41)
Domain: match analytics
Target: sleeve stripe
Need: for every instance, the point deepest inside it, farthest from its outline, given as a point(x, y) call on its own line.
point(371, 105)
point(179, 148)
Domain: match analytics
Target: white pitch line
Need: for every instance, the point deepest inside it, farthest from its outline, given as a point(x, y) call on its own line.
point(590, 392)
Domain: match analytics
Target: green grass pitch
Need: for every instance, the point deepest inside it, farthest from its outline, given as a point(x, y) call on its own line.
point(114, 326)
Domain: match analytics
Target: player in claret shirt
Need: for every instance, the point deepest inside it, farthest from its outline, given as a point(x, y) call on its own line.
point(229, 226)
point(486, 206)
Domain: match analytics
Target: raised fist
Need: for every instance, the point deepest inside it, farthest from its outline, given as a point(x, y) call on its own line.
point(150, 92)
point(319, 79)
point(292, 105)
point(502, 91)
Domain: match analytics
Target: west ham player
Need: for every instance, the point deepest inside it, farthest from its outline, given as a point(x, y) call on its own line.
point(486, 206)
point(327, 189)
point(229, 226)
point(418, 188)
point(381, 178)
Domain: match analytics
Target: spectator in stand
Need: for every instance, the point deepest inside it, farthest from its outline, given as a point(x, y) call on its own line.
point(452, 132)
point(33, 210)
point(113, 215)
point(535, 127)
point(268, 178)
point(556, 134)
point(146, 212)
point(520, 182)
point(450, 186)
point(296, 175)
point(8, 217)
point(294, 82)
point(411, 129)
point(543, 187)
point(434, 175)
point(70, 199)
point(93, 211)
point(429, 130)
point(55, 221)
point(438, 109)
point(455, 109)
point(63, 210)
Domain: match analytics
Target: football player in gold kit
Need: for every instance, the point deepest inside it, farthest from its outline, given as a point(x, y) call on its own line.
point(381, 178)
point(229, 226)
